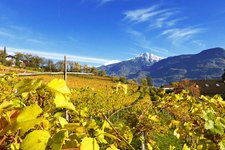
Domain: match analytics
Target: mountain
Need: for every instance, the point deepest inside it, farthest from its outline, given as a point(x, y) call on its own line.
point(130, 67)
point(208, 64)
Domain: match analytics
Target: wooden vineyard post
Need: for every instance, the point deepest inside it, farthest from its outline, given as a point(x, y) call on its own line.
point(65, 78)
point(65, 69)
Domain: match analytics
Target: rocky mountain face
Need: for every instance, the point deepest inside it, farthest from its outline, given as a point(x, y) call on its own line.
point(130, 67)
point(208, 64)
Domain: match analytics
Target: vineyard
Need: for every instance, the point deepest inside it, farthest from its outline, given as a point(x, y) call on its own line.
point(38, 114)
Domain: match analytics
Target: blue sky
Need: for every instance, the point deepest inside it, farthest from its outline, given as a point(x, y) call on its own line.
point(98, 32)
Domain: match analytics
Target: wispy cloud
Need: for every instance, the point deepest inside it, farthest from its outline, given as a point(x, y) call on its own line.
point(100, 2)
point(141, 15)
point(142, 41)
point(37, 41)
point(177, 35)
point(6, 34)
point(199, 43)
point(59, 56)
point(164, 21)
point(155, 16)
point(105, 1)
point(21, 34)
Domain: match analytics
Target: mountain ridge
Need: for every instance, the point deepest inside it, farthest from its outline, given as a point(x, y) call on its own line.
point(207, 64)
point(131, 66)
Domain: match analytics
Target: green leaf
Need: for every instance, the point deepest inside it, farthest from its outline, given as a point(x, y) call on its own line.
point(27, 118)
point(36, 140)
point(27, 85)
point(222, 145)
point(106, 125)
point(62, 102)
point(185, 147)
point(218, 128)
point(89, 144)
point(6, 105)
point(59, 139)
point(112, 147)
point(209, 115)
point(27, 125)
point(62, 121)
point(209, 124)
point(29, 113)
point(111, 136)
point(59, 85)
point(100, 136)
point(149, 146)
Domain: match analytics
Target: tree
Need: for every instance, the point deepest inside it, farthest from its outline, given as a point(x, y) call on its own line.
point(3, 56)
point(71, 66)
point(223, 76)
point(77, 67)
point(36, 61)
point(94, 71)
point(102, 73)
point(149, 81)
point(115, 78)
point(60, 66)
point(85, 69)
point(146, 81)
point(123, 79)
point(19, 57)
point(50, 65)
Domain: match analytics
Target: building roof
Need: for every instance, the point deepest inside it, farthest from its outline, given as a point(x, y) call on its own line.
point(210, 87)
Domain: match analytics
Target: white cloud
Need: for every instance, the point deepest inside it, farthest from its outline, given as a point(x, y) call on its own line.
point(155, 16)
point(141, 15)
point(34, 40)
point(181, 34)
point(143, 42)
point(100, 2)
point(105, 1)
point(20, 33)
point(199, 43)
point(60, 56)
point(6, 34)
point(165, 21)
point(112, 62)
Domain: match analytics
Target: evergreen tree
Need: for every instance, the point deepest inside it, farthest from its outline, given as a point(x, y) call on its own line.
point(4, 55)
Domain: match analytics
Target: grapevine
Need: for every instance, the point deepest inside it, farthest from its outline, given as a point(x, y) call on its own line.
point(32, 116)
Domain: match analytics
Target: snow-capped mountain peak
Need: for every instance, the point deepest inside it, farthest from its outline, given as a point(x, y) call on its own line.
point(149, 57)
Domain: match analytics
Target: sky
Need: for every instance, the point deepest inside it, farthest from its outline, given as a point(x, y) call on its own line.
point(97, 32)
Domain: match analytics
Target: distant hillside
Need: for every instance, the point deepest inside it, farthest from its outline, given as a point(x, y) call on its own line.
point(132, 66)
point(208, 64)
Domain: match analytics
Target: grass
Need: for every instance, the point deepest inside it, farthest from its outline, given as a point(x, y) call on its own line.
point(79, 81)
point(6, 69)
point(73, 81)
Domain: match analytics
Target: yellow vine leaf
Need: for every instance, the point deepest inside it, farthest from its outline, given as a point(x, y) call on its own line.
point(59, 85)
point(185, 147)
point(62, 102)
point(36, 140)
point(175, 133)
point(112, 147)
point(89, 144)
point(149, 146)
